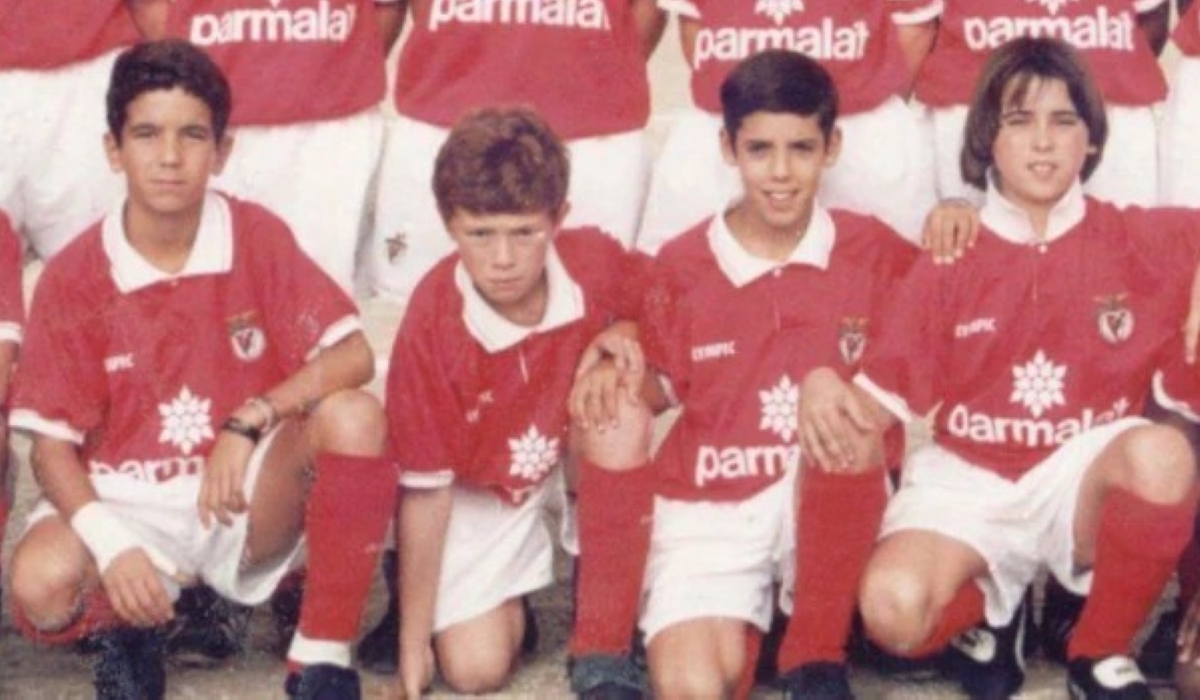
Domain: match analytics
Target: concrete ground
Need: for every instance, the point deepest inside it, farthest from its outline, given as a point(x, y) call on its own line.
point(27, 672)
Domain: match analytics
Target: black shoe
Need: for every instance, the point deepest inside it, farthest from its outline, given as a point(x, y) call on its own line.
point(285, 609)
point(1110, 678)
point(208, 629)
point(130, 665)
point(378, 652)
point(823, 680)
point(1060, 614)
point(531, 636)
point(987, 661)
point(606, 677)
point(1157, 657)
point(323, 682)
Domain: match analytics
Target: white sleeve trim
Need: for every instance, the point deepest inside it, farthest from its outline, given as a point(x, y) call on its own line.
point(1144, 6)
point(1164, 399)
point(892, 402)
point(427, 480)
point(920, 15)
point(337, 331)
point(680, 7)
point(10, 332)
point(33, 422)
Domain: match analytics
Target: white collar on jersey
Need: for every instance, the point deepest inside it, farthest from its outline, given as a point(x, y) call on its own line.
point(564, 304)
point(212, 252)
point(742, 268)
point(1012, 224)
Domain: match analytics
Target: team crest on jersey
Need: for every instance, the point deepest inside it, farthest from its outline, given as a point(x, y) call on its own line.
point(778, 10)
point(1114, 318)
point(852, 339)
point(1038, 384)
point(533, 455)
point(246, 336)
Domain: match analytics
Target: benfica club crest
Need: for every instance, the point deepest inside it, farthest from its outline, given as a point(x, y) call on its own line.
point(852, 339)
point(246, 336)
point(1114, 318)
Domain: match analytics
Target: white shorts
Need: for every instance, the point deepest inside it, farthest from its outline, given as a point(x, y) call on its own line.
point(494, 552)
point(1180, 142)
point(885, 169)
point(1127, 174)
point(607, 189)
point(1017, 527)
point(712, 559)
point(316, 176)
point(55, 180)
point(164, 515)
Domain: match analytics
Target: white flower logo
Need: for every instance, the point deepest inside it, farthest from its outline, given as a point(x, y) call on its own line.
point(185, 421)
point(1052, 5)
point(778, 10)
point(1038, 384)
point(533, 455)
point(779, 406)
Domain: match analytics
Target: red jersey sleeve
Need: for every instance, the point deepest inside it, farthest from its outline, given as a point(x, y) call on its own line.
point(1177, 384)
point(306, 310)
point(1168, 238)
point(61, 382)
point(664, 330)
point(426, 424)
point(12, 304)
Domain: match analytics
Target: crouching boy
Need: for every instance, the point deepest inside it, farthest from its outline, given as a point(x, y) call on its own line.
point(191, 385)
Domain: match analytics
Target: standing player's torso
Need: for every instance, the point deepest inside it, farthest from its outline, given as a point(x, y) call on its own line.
point(578, 62)
point(1104, 31)
point(737, 356)
point(299, 61)
point(47, 34)
point(853, 39)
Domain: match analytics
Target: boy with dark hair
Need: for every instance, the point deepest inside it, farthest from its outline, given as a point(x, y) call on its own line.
point(477, 395)
point(191, 387)
point(1040, 347)
point(737, 310)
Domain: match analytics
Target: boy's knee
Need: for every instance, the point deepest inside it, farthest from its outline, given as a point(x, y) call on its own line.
point(475, 674)
point(45, 588)
point(350, 422)
point(1160, 465)
point(674, 678)
point(895, 610)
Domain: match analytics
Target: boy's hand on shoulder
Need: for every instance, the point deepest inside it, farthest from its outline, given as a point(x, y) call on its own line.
point(836, 430)
point(135, 589)
point(222, 493)
point(951, 228)
point(611, 369)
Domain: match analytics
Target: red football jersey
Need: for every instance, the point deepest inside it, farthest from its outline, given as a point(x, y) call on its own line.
point(12, 306)
point(1105, 32)
point(1187, 33)
point(735, 336)
point(46, 34)
point(1025, 346)
point(476, 399)
point(140, 368)
point(300, 61)
point(853, 39)
point(577, 62)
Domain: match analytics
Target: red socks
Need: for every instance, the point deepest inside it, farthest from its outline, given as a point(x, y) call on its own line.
point(349, 507)
point(963, 612)
point(615, 510)
point(1137, 546)
point(97, 616)
point(837, 521)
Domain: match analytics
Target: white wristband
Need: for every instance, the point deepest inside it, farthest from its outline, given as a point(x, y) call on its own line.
point(106, 537)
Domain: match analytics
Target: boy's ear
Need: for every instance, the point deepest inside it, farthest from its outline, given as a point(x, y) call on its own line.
point(833, 148)
point(728, 148)
point(561, 215)
point(112, 151)
point(224, 148)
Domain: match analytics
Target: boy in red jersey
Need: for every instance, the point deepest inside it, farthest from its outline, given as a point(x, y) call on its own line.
point(477, 396)
point(191, 389)
point(1040, 348)
point(12, 321)
point(737, 308)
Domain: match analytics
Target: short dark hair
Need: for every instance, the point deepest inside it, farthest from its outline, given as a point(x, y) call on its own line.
point(165, 65)
point(501, 160)
point(1019, 63)
point(782, 82)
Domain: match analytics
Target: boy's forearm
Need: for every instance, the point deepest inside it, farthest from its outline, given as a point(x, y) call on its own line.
point(424, 517)
point(390, 18)
point(349, 364)
point(650, 21)
point(62, 475)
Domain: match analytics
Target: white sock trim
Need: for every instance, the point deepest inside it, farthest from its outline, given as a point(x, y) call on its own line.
point(318, 651)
